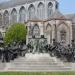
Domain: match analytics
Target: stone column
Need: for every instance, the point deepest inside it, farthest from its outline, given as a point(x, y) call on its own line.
point(27, 35)
point(41, 29)
point(9, 17)
point(71, 33)
point(53, 33)
point(18, 15)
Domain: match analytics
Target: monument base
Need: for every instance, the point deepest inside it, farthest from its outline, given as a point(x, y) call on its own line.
point(37, 62)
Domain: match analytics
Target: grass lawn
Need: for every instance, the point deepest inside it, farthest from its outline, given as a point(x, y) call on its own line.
point(37, 73)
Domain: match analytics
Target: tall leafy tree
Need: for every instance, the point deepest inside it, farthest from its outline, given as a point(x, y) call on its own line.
point(16, 32)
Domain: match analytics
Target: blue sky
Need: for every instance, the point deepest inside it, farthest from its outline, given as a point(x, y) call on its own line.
point(65, 6)
point(3, 0)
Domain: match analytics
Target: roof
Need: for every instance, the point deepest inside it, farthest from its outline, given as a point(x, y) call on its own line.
point(57, 15)
point(12, 3)
point(71, 16)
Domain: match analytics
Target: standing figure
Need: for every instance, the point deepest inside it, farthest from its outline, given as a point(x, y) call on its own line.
point(5, 54)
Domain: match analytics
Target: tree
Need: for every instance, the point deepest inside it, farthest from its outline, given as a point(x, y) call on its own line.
point(15, 33)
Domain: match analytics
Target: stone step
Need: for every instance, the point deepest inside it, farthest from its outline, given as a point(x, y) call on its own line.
point(32, 62)
point(37, 61)
point(2, 66)
point(39, 67)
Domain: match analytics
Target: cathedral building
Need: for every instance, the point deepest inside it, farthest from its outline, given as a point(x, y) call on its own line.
point(42, 17)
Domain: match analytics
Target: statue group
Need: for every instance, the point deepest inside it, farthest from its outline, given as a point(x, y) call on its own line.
point(67, 53)
point(37, 45)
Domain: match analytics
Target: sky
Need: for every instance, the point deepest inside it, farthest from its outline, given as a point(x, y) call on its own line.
point(65, 6)
point(3, 0)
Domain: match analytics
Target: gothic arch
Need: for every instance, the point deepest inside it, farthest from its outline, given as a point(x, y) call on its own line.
point(57, 5)
point(63, 33)
point(22, 14)
point(50, 4)
point(49, 10)
point(6, 18)
point(62, 22)
point(14, 16)
point(36, 30)
point(48, 25)
point(31, 11)
point(0, 19)
point(41, 10)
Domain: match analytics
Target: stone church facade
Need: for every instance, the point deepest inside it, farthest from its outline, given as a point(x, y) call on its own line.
point(42, 18)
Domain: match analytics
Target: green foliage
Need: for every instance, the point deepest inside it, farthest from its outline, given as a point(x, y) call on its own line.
point(38, 73)
point(16, 32)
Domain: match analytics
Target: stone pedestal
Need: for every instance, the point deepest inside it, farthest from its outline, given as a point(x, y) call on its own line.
point(37, 62)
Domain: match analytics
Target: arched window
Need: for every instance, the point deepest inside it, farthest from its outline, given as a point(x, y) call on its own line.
point(50, 11)
point(36, 31)
point(63, 36)
point(57, 5)
point(22, 15)
point(31, 10)
point(0, 20)
point(41, 10)
point(48, 29)
point(14, 16)
point(30, 30)
point(6, 18)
